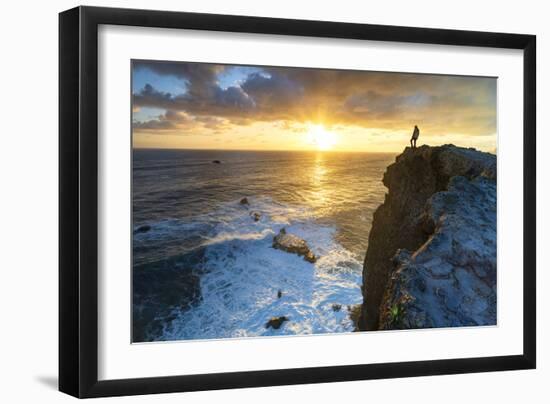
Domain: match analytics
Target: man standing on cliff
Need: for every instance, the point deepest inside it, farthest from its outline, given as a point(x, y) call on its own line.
point(415, 135)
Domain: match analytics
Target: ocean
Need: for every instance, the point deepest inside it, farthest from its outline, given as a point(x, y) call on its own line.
point(203, 268)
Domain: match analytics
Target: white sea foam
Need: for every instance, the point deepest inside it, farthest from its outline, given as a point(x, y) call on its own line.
point(243, 275)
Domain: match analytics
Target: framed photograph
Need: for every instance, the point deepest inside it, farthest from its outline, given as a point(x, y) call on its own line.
point(251, 201)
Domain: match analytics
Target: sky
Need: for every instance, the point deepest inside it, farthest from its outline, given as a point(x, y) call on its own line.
point(212, 106)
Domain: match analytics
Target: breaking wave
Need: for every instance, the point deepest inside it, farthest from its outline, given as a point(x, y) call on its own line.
point(244, 281)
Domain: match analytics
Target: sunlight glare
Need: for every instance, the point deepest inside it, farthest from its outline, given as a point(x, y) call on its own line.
point(321, 138)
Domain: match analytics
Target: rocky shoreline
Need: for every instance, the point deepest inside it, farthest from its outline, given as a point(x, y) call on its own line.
point(431, 259)
point(430, 262)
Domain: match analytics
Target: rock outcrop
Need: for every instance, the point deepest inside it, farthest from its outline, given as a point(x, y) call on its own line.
point(276, 322)
point(293, 244)
point(142, 229)
point(431, 259)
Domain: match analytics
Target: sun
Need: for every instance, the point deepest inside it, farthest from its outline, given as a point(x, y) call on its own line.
point(321, 138)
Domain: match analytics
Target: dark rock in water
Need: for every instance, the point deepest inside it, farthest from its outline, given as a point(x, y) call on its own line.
point(216, 161)
point(256, 216)
point(354, 314)
point(279, 294)
point(276, 322)
point(244, 201)
point(293, 244)
point(142, 229)
point(431, 259)
point(336, 307)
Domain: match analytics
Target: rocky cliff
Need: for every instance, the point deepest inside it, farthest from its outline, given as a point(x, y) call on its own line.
point(431, 259)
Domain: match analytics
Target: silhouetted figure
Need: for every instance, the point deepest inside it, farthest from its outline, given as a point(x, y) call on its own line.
point(415, 135)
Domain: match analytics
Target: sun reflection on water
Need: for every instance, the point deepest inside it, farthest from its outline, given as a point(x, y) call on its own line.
point(320, 188)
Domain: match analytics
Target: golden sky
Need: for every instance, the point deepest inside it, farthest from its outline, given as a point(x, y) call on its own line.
point(210, 106)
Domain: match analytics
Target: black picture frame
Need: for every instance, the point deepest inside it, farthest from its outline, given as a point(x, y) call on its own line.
point(78, 201)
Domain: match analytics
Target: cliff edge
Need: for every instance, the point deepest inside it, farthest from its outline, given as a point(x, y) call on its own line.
point(431, 259)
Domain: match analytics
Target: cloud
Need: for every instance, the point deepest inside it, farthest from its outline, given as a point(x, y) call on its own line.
point(334, 97)
point(275, 88)
point(232, 101)
point(200, 78)
point(170, 120)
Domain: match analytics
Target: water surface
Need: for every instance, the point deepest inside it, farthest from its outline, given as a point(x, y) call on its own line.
point(206, 269)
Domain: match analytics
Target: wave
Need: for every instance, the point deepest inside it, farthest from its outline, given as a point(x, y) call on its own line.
point(244, 281)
